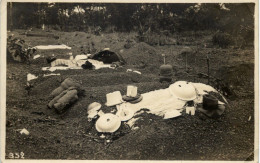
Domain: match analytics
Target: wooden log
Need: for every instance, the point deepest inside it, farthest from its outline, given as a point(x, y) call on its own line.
point(69, 98)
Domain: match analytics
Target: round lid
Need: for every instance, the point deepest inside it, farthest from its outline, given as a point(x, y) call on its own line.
point(183, 90)
point(125, 114)
point(166, 67)
point(186, 49)
point(108, 123)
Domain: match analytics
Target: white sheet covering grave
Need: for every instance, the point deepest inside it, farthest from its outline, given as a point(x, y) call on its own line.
point(66, 64)
point(162, 103)
point(51, 47)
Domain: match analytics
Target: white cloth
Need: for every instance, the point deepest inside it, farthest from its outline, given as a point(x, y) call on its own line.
point(47, 47)
point(99, 64)
point(80, 57)
point(59, 68)
point(60, 62)
point(158, 102)
point(74, 64)
point(162, 103)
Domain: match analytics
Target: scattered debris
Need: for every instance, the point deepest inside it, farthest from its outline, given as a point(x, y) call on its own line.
point(134, 71)
point(249, 118)
point(36, 56)
point(31, 77)
point(51, 74)
point(102, 136)
point(24, 131)
point(138, 72)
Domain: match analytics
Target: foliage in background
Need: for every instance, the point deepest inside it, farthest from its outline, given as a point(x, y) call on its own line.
point(236, 19)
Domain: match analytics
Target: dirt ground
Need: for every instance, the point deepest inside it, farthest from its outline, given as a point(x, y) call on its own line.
point(71, 136)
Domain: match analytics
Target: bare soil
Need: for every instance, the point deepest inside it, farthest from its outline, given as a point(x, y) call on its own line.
point(71, 136)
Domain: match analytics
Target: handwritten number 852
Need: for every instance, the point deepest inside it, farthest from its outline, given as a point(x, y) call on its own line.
point(16, 155)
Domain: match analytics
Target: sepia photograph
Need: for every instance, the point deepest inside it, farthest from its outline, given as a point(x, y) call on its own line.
point(150, 81)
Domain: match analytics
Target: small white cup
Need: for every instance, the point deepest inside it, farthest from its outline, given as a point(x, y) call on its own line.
point(131, 91)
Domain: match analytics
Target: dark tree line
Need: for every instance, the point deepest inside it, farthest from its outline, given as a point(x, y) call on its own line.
point(232, 18)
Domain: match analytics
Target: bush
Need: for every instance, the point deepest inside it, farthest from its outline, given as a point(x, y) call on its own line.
point(222, 39)
point(19, 51)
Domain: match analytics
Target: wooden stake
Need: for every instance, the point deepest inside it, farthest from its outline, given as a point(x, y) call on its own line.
point(186, 66)
point(208, 67)
point(163, 58)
